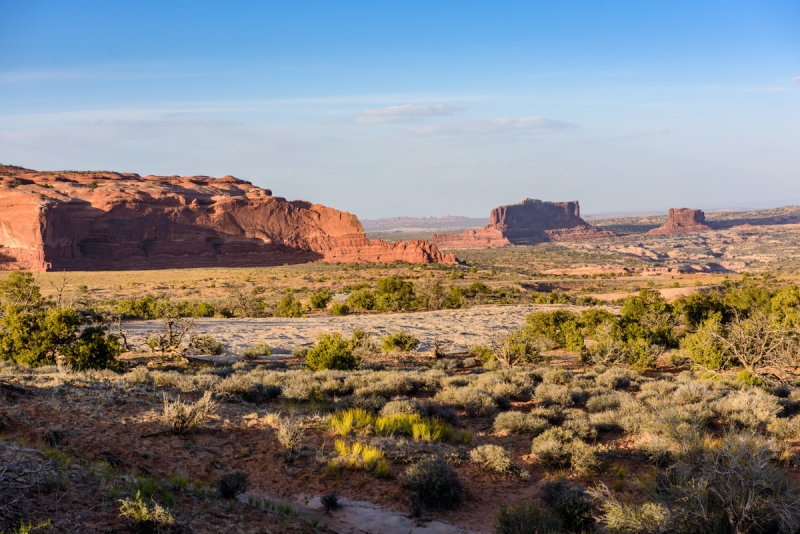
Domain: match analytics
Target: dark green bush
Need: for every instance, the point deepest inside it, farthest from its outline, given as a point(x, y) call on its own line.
point(320, 298)
point(288, 306)
point(394, 294)
point(433, 484)
point(340, 308)
point(557, 328)
point(232, 484)
point(526, 518)
point(362, 299)
point(332, 351)
point(570, 503)
point(94, 349)
point(33, 332)
point(399, 341)
point(705, 346)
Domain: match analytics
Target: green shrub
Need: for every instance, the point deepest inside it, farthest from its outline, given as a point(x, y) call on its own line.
point(401, 406)
point(431, 295)
point(748, 408)
point(614, 378)
point(399, 341)
point(471, 400)
point(560, 448)
point(206, 344)
point(362, 299)
point(259, 349)
point(746, 377)
point(602, 403)
point(288, 306)
point(651, 314)
point(732, 486)
point(32, 332)
point(290, 434)
point(520, 423)
point(339, 309)
point(232, 484)
point(554, 394)
point(144, 516)
point(518, 346)
point(526, 518)
point(181, 418)
point(570, 503)
point(785, 427)
point(625, 518)
point(332, 351)
point(705, 346)
point(456, 297)
point(578, 423)
point(494, 458)
point(320, 298)
point(93, 349)
point(554, 327)
point(433, 484)
point(394, 294)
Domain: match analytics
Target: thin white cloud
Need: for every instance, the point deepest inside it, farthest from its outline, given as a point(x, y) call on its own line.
point(405, 113)
point(796, 79)
point(496, 126)
point(168, 109)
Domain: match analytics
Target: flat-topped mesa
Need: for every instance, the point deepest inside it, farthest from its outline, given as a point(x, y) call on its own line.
point(112, 221)
point(682, 221)
point(526, 223)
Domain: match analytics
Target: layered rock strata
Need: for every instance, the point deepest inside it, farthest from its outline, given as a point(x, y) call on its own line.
point(526, 223)
point(113, 221)
point(682, 221)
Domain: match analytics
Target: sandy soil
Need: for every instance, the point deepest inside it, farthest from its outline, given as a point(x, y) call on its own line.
point(461, 328)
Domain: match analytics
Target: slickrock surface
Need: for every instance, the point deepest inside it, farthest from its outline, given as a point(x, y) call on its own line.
point(111, 221)
point(683, 221)
point(526, 223)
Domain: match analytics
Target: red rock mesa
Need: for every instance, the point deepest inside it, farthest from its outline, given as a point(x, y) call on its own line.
point(682, 221)
point(111, 221)
point(529, 222)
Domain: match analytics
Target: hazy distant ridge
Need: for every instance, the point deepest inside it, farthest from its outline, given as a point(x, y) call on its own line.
point(409, 224)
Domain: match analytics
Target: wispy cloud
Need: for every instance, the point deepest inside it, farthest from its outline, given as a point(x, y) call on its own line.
point(796, 79)
point(496, 126)
point(405, 113)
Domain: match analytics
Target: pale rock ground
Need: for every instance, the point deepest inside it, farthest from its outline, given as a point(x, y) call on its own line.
point(461, 328)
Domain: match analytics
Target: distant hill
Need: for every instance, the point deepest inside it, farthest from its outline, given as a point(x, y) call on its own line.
point(423, 224)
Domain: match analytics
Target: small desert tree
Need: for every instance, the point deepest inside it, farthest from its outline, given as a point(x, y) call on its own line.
point(34, 332)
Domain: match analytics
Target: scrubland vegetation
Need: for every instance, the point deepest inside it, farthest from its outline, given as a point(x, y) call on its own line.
point(650, 416)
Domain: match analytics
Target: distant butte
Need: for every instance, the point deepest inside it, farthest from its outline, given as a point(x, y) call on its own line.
point(682, 221)
point(111, 221)
point(526, 223)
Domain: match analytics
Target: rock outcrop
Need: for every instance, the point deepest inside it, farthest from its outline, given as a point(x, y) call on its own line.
point(682, 221)
point(529, 222)
point(113, 221)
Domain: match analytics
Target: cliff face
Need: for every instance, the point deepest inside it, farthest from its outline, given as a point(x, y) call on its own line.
point(682, 221)
point(526, 223)
point(113, 221)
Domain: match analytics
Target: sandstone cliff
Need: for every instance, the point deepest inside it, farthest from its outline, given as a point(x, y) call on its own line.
point(526, 223)
point(682, 221)
point(111, 221)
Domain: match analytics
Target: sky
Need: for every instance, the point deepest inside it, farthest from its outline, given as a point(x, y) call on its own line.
point(416, 108)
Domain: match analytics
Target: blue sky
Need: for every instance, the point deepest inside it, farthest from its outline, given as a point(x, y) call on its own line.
point(416, 108)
